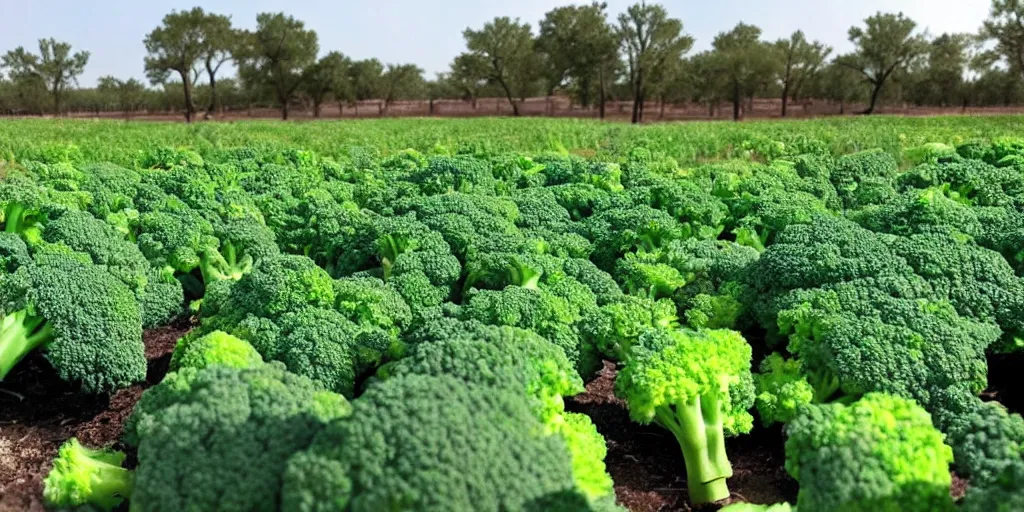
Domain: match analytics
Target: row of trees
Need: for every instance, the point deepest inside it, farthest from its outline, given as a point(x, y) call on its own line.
point(579, 50)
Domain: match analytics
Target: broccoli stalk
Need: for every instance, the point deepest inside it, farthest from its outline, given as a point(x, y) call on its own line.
point(20, 219)
point(21, 332)
point(525, 275)
point(229, 263)
point(698, 385)
point(697, 425)
point(391, 247)
point(84, 476)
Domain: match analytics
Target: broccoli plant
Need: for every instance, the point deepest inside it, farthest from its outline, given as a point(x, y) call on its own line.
point(84, 320)
point(880, 453)
point(697, 385)
point(87, 477)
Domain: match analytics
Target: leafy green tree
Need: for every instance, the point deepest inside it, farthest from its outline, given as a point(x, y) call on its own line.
point(649, 39)
point(885, 45)
point(325, 78)
point(468, 76)
point(578, 42)
point(507, 46)
point(56, 68)
point(277, 55)
point(743, 62)
point(125, 95)
point(942, 80)
point(1005, 27)
point(801, 60)
point(219, 40)
point(402, 81)
point(175, 47)
point(365, 78)
point(704, 80)
point(839, 83)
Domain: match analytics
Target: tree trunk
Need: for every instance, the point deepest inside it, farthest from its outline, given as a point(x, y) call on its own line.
point(56, 102)
point(284, 110)
point(842, 107)
point(187, 86)
point(508, 94)
point(736, 101)
point(316, 108)
point(636, 105)
point(711, 109)
point(661, 114)
point(785, 97)
point(341, 109)
point(601, 96)
point(874, 99)
point(431, 107)
point(213, 91)
point(380, 108)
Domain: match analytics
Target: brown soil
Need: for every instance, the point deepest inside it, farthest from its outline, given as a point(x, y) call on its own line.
point(38, 412)
point(647, 466)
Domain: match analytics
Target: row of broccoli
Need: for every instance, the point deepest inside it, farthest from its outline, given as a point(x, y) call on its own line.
point(427, 288)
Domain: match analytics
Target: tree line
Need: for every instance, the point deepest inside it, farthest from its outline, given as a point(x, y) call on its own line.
point(579, 51)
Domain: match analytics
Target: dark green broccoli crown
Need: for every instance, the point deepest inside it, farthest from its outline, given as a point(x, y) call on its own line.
point(881, 453)
point(92, 324)
point(854, 174)
point(175, 238)
point(616, 231)
point(369, 301)
point(112, 187)
point(162, 301)
point(245, 422)
point(468, 222)
point(103, 243)
point(13, 253)
point(920, 212)
point(877, 335)
point(504, 357)
point(494, 455)
point(284, 283)
point(986, 438)
point(1004, 494)
point(325, 346)
point(444, 174)
point(539, 208)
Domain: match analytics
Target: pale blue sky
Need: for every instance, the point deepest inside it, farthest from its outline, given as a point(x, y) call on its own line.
point(430, 33)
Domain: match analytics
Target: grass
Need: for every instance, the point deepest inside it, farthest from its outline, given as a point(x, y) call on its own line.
point(691, 142)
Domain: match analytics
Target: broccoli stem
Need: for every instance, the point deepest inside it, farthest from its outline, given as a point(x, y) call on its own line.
point(21, 333)
point(82, 476)
point(12, 218)
point(698, 428)
point(224, 264)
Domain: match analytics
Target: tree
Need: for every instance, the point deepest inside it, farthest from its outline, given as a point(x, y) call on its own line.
point(468, 75)
point(365, 78)
point(801, 59)
point(1005, 26)
point(55, 67)
point(175, 46)
point(125, 95)
point(743, 61)
point(885, 45)
point(942, 80)
point(324, 78)
point(277, 54)
point(401, 81)
point(219, 40)
point(840, 83)
point(578, 43)
point(507, 46)
point(704, 79)
point(649, 39)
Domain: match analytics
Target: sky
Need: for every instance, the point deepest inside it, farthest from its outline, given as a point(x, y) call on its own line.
point(429, 34)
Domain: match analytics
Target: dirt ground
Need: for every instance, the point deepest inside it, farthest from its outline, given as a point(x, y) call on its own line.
point(38, 412)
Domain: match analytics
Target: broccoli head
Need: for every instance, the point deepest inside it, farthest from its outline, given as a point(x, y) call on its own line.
point(246, 422)
point(880, 453)
point(83, 319)
point(697, 385)
point(215, 349)
point(87, 477)
point(386, 456)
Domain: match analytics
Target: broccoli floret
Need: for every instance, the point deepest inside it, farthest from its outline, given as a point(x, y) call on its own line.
point(369, 301)
point(694, 384)
point(919, 212)
point(386, 455)
point(444, 174)
point(469, 223)
point(242, 243)
point(246, 421)
point(84, 320)
point(112, 187)
point(880, 453)
point(215, 349)
point(20, 201)
point(986, 438)
point(84, 476)
point(504, 357)
point(588, 450)
point(782, 388)
point(616, 326)
point(860, 177)
point(162, 301)
point(13, 253)
point(1005, 494)
point(617, 231)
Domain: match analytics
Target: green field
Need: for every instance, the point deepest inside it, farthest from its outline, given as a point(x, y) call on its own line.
point(123, 142)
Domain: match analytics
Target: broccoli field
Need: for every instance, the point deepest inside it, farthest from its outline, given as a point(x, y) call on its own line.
point(505, 315)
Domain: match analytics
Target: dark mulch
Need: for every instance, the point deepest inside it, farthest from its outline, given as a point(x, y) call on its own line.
point(647, 466)
point(38, 412)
